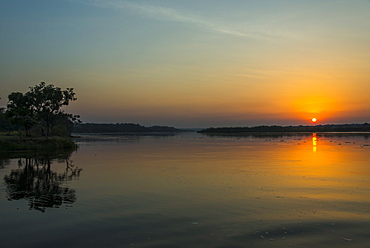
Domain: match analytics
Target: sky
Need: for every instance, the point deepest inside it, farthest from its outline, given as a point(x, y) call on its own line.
point(208, 63)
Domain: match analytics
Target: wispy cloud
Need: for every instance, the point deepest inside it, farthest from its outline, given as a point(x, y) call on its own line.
point(164, 13)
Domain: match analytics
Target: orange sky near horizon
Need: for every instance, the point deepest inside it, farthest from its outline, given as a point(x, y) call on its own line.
point(194, 64)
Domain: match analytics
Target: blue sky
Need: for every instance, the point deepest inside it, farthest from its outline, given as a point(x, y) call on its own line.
point(193, 63)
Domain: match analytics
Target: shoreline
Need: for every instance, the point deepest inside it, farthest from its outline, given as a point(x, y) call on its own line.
point(343, 128)
point(22, 143)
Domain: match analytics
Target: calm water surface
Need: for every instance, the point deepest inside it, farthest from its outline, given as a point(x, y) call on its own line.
point(190, 190)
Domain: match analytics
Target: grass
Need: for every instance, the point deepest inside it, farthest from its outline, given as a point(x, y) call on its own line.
point(13, 142)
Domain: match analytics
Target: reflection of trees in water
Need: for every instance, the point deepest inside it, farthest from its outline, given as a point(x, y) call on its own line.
point(40, 185)
point(4, 162)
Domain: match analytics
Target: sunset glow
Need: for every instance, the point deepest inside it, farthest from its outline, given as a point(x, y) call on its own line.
point(314, 120)
point(193, 63)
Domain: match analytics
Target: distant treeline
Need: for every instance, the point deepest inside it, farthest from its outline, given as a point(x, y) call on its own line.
point(317, 128)
point(119, 128)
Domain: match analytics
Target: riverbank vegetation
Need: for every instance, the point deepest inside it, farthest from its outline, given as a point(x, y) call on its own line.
point(36, 120)
point(14, 142)
point(282, 129)
point(120, 128)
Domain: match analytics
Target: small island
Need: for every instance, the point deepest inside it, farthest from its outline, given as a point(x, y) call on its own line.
point(35, 120)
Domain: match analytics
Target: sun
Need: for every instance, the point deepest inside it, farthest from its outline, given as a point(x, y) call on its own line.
point(314, 120)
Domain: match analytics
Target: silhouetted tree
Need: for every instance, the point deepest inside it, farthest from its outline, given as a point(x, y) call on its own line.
point(48, 102)
point(41, 106)
point(21, 111)
point(5, 124)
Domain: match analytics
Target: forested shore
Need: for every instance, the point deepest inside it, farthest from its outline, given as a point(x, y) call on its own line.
point(365, 127)
point(119, 128)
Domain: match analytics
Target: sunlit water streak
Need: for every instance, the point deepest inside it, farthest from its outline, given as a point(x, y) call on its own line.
point(191, 190)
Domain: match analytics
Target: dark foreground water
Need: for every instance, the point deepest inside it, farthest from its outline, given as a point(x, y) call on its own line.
point(190, 190)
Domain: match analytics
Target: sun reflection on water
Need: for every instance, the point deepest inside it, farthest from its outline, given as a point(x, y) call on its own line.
point(314, 142)
point(242, 190)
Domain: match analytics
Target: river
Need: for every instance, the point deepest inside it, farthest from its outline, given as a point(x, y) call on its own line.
point(190, 190)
